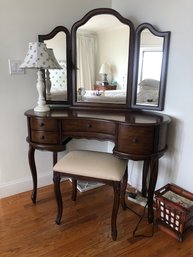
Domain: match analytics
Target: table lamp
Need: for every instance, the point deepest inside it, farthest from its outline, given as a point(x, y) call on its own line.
point(39, 57)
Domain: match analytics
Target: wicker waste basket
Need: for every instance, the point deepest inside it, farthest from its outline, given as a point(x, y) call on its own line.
point(174, 210)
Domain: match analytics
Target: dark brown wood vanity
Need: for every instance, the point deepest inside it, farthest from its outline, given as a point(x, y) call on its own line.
point(137, 131)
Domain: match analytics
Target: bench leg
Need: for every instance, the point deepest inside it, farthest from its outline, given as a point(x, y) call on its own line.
point(74, 189)
point(117, 190)
point(58, 196)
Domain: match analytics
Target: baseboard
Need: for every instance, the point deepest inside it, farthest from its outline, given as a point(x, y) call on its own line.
point(23, 185)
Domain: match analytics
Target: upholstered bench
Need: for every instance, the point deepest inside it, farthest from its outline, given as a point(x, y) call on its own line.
point(92, 166)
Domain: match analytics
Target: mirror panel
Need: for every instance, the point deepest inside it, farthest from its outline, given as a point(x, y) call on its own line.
point(102, 60)
point(151, 54)
point(102, 48)
point(57, 80)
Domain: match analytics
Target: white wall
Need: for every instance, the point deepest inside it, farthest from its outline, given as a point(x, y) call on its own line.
point(20, 23)
point(176, 16)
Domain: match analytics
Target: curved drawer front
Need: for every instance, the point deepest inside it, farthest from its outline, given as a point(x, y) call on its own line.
point(43, 124)
point(88, 125)
point(44, 137)
point(135, 140)
point(44, 131)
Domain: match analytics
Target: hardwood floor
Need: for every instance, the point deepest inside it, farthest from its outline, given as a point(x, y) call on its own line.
point(29, 230)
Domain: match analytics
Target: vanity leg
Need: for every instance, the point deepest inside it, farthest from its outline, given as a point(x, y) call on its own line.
point(144, 177)
point(152, 183)
point(55, 158)
point(33, 172)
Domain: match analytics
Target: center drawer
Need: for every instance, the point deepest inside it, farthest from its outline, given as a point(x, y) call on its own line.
point(88, 125)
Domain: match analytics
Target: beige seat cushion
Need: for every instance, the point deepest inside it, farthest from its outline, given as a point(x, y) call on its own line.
point(92, 164)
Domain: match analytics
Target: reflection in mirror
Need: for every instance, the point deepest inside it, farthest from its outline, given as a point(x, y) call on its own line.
point(102, 59)
point(149, 70)
point(152, 52)
point(57, 79)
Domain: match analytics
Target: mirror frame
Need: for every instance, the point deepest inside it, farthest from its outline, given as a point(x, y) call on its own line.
point(166, 41)
point(52, 34)
point(81, 22)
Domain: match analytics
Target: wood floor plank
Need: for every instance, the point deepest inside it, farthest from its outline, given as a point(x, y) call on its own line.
point(28, 230)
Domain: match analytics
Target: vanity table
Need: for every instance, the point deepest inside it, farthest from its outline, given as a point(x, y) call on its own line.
point(137, 136)
point(126, 117)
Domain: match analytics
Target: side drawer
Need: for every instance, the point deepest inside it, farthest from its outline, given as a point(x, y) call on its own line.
point(88, 125)
point(43, 124)
point(135, 140)
point(44, 137)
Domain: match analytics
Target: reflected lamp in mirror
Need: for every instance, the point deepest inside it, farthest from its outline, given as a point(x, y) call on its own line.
point(105, 70)
point(55, 65)
point(39, 57)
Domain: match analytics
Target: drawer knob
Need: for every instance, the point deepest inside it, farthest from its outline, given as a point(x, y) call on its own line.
point(42, 124)
point(135, 140)
point(43, 137)
point(89, 126)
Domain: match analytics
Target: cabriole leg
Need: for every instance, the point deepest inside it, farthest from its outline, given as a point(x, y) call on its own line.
point(33, 172)
point(152, 183)
point(144, 177)
point(58, 196)
point(117, 189)
point(123, 189)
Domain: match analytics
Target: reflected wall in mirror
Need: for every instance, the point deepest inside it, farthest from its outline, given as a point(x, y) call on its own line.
point(151, 54)
point(103, 48)
point(57, 80)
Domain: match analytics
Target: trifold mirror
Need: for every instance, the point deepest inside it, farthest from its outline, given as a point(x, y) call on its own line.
point(108, 64)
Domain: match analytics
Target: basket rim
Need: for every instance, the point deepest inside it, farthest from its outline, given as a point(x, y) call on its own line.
point(159, 195)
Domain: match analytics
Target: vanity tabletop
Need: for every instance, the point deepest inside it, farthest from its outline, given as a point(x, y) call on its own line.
point(128, 116)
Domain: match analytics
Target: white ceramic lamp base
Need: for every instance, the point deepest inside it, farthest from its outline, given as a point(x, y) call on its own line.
point(41, 107)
